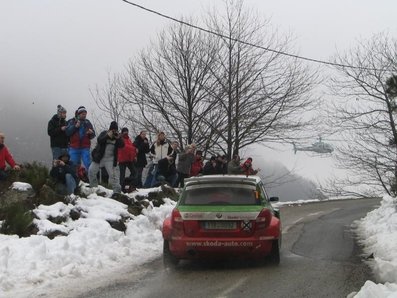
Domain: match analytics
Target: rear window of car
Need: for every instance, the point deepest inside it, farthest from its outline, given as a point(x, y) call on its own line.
point(220, 194)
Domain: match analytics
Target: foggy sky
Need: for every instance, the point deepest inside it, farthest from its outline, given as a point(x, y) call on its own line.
point(53, 52)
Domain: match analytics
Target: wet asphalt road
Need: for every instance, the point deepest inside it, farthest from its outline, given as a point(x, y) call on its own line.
point(319, 258)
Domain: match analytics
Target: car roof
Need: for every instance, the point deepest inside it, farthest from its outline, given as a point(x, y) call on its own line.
point(222, 178)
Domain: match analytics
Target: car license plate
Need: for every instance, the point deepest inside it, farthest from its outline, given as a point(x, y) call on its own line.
point(219, 225)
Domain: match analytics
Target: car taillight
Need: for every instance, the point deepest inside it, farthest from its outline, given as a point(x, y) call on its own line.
point(263, 219)
point(176, 223)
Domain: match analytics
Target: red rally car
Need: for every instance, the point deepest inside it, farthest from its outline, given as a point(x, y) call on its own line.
point(222, 216)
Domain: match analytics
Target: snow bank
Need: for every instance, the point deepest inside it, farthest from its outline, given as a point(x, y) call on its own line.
point(31, 266)
point(378, 234)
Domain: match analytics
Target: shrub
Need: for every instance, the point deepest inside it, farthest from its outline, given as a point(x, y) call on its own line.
point(35, 174)
point(18, 220)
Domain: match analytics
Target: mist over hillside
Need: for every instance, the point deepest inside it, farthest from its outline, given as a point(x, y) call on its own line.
point(285, 184)
point(25, 127)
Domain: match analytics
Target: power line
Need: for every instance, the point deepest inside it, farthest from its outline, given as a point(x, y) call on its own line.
point(248, 43)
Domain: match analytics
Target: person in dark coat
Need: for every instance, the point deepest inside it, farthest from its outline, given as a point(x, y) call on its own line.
point(56, 129)
point(211, 167)
point(221, 161)
point(105, 155)
point(166, 170)
point(64, 173)
point(142, 145)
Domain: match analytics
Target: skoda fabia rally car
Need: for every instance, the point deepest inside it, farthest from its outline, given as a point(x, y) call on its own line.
point(222, 216)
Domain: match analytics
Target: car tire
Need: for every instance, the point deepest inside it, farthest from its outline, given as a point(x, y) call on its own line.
point(274, 256)
point(169, 260)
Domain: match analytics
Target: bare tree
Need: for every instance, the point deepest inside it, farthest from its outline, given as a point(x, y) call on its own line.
point(263, 94)
point(109, 101)
point(216, 91)
point(169, 85)
point(364, 113)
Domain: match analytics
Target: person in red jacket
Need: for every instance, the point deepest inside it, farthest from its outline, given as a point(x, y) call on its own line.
point(247, 167)
point(80, 132)
point(5, 157)
point(197, 165)
point(127, 157)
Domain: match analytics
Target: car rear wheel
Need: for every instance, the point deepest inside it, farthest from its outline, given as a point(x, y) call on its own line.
point(274, 256)
point(169, 260)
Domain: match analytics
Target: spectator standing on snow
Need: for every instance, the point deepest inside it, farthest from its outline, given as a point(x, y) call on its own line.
point(185, 160)
point(5, 157)
point(197, 165)
point(234, 167)
point(142, 145)
point(166, 170)
point(159, 149)
point(56, 129)
point(127, 157)
point(80, 132)
point(247, 167)
point(105, 155)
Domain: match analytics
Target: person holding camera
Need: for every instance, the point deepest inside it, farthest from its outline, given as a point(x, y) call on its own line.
point(56, 129)
point(141, 144)
point(247, 167)
point(105, 155)
point(64, 174)
point(80, 132)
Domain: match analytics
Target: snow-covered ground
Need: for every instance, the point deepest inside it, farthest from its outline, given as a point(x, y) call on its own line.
point(378, 234)
point(37, 266)
point(92, 251)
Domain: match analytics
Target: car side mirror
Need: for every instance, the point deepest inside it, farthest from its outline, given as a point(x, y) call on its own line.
point(273, 199)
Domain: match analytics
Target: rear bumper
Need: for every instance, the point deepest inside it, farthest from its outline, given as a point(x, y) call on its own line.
point(193, 248)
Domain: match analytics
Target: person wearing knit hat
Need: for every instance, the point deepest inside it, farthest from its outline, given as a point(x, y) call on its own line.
point(56, 129)
point(61, 111)
point(105, 155)
point(114, 126)
point(247, 167)
point(81, 109)
point(80, 132)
